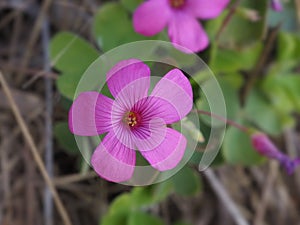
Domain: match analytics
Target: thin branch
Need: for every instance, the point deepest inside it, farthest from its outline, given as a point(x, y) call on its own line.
point(261, 62)
point(68, 179)
point(34, 36)
point(227, 121)
point(34, 72)
point(221, 192)
point(48, 201)
point(61, 209)
point(227, 19)
point(266, 195)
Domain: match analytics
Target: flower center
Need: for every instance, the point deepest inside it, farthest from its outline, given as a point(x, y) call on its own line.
point(177, 3)
point(131, 119)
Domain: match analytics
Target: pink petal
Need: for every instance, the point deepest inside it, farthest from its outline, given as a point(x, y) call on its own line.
point(153, 107)
point(131, 94)
point(90, 114)
point(125, 72)
point(150, 134)
point(184, 30)
point(151, 17)
point(123, 134)
point(112, 160)
point(206, 9)
point(175, 89)
point(169, 153)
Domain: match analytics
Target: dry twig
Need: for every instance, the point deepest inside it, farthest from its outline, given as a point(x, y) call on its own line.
point(61, 209)
point(225, 198)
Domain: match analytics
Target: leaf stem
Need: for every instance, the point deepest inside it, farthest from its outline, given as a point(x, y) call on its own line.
point(227, 121)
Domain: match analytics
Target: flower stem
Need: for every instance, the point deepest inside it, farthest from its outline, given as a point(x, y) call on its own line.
point(227, 121)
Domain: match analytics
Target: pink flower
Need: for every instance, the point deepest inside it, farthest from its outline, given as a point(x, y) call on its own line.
point(276, 5)
point(265, 147)
point(133, 120)
point(180, 16)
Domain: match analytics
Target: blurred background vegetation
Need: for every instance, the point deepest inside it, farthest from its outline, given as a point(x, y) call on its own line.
point(254, 53)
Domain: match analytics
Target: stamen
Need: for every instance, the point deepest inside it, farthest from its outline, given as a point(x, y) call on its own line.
point(177, 3)
point(131, 119)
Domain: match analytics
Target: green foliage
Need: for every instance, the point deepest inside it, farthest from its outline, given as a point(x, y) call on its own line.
point(259, 111)
point(128, 208)
point(118, 211)
point(230, 93)
point(151, 195)
point(67, 83)
point(71, 55)
point(288, 49)
point(186, 182)
point(229, 61)
point(112, 26)
point(241, 31)
point(283, 92)
point(131, 5)
point(65, 138)
point(138, 218)
point(197, 156)
point(237, 148)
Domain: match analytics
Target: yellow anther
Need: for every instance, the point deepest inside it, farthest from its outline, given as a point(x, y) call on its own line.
point(131, 119)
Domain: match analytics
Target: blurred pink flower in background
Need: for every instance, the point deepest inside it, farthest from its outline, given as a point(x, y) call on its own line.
point(265, 147)
point(276, 5)
point(133, 120)
point(180, 16)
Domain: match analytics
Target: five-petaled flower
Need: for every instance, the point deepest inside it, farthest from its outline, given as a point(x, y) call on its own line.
point(265, 147)
point(133, 120)
point(180, 16)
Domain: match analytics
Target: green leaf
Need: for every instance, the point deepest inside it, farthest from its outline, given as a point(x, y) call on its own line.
point(65, 103)
point(197, 156)
point(131, 5)
point(116, 219)
point(241, 31)
point(291, 84)
point(288, 48)
point(141, 218)
point(230, 93)
point(275, 88)
point(65, 138)
point(161, 191)
point(237, 148)
point(67, 84)
point(186, 182)
point(70, 53)
point(259, 111)
point(284, 93)
point(118, 211)
point(112, 27)
point(227, 60)
point(121, 204)
point(145, 196)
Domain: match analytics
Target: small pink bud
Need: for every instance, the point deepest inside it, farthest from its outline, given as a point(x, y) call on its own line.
point(276, 5)
point(264, 146)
